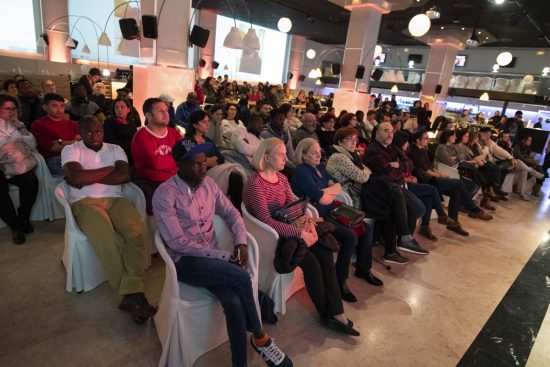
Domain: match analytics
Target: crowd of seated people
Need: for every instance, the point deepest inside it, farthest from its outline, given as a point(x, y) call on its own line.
point(380, 157)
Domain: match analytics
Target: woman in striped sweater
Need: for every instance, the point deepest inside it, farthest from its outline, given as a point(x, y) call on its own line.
point(267, 191)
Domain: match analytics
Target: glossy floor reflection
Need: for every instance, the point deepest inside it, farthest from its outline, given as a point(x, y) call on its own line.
point(427, 314)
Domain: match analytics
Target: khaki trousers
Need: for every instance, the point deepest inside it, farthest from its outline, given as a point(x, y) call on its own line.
point(100, 219)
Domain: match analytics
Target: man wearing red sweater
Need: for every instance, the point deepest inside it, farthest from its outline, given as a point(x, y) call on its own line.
point(152, 149)
point(53, 132)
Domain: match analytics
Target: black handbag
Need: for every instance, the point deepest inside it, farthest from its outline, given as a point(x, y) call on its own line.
point(292, 211)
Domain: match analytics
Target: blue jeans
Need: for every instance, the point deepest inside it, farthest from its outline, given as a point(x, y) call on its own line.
point(429, 196)
point(232, 286)
point(54, 164)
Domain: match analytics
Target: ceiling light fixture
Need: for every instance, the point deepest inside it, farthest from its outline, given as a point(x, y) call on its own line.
point(419, 25)
point(394, 89)
point(318, 82)
point(377, 50)
point(504, 58)
point(41, 41)
point(495, 68)
point(250, 40)
point(233, 39)
point(85, 49)
point(411, 64)
point(484, 97)
point(106, 73)
point(70, 43)
point(311, 54)
point(104, 40)
point(433, 13)
point(284, 24)
point(545, 71)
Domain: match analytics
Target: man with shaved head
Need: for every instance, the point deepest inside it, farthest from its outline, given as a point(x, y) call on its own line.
point(96, 171)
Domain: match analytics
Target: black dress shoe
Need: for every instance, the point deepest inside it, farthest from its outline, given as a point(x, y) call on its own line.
point(27, 226)
point(369, 277)
point(346, 294)
point(17, 236)
point(336, 325)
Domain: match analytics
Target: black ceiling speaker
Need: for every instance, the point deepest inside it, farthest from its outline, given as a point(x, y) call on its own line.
point(416, 58)
point(335, 69)
point(438, 88)
point(202, 63)
point(215, 64)
point(289, 76)
point(129, 28)
point(46, 38)
point(150, 26)
point(377, 74)
point(199, 36)
point(302, 78)
point(360, 72)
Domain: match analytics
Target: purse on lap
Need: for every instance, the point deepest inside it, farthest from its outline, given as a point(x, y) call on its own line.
point(349, 216)
point(16, 159)
point(292, 211)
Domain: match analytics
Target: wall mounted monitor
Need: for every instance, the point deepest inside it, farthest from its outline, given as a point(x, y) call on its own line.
point(460, 61)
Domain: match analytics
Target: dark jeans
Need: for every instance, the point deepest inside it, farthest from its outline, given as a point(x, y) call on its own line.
point(148, 187)
point(321, 281)
point(429, 196)
point(493, 173)
point(28, 190)
point(232, 286)
point(458, 194)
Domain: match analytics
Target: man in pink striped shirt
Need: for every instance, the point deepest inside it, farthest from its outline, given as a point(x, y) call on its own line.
point(184, 207)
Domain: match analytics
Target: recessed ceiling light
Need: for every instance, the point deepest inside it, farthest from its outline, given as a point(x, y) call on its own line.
point(442, 27)
point(463, 28)
point(486, 38)
point(540, 53)
point(479, 32)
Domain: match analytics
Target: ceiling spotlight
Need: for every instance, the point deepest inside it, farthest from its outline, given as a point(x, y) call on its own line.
point(318, 82)
point(473, 41)
point(394, 89)
point(495, 68)
point(311, 54)
point(442, 27)
point(433, 13)
point(497, 2)
point(419, 25)
point(106, 72)
point(284, 24)
point(463, 28)
point(504, 58)
point(484, 97)
point(456, 20)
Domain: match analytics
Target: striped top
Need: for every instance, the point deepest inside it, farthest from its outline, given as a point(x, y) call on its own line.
point(262, 199)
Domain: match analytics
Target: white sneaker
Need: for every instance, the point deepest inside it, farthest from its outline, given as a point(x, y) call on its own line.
point(271, 354)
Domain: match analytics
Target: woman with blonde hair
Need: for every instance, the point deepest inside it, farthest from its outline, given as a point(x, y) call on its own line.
point(264, 194)
point(311, 179)
point(410, 127)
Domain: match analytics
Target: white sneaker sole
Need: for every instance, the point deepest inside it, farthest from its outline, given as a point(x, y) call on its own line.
point(406, 249)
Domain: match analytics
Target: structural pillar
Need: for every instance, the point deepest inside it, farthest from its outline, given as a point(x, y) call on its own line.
point(57, 51)
point(296, 60)
point(361, 40)
point(439, 70)
point(207, 20)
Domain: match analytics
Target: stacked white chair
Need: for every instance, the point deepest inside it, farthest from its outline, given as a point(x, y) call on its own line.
point(399, 76)
point(501, 85)
point(190, 320)
point(388, 76)
point(473, 82)
point(461, 81)
point(485, 83)
point(84, 271)
point(516, 86)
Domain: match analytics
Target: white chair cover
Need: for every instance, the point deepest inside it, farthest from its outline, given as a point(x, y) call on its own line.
point(190, 320)
point(473, 82)
point(279, 287)
point(516, 86)
point(399, 76)
point(84, 271)
point(45, 206)
point(485, 83)
point(461, 81)
point(508, 184)
point(501, 84)
point(452, 82)
point(388, 76)
point(413, 77)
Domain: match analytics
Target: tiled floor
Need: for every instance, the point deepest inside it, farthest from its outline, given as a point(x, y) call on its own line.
point(427, 314)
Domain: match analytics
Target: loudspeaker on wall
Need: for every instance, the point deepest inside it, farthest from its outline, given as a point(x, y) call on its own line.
point(335, 69)
point(202, 63)
point(129, 28)
point(199, 36)
point(215, 64)
point(360, 72)
point(377, 74)
point(150, 26)
point(302, 78)
point(438, 89)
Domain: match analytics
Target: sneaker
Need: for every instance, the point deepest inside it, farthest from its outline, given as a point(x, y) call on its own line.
point(426, 231)
point(395, 258)
point(271, 354)
point(524, 197)
point(137, 305)
point(412, 246)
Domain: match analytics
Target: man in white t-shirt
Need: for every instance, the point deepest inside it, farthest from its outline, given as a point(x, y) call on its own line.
point(95, 171)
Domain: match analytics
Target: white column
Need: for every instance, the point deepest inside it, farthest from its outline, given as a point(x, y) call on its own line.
point(361, 39)
point(296, 60)
point(207, 20)
point(57, 51)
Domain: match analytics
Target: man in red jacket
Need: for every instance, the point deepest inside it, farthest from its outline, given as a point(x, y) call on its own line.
point(152, 149)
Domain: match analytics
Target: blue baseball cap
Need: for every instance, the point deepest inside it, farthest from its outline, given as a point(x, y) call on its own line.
point(187, 148)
